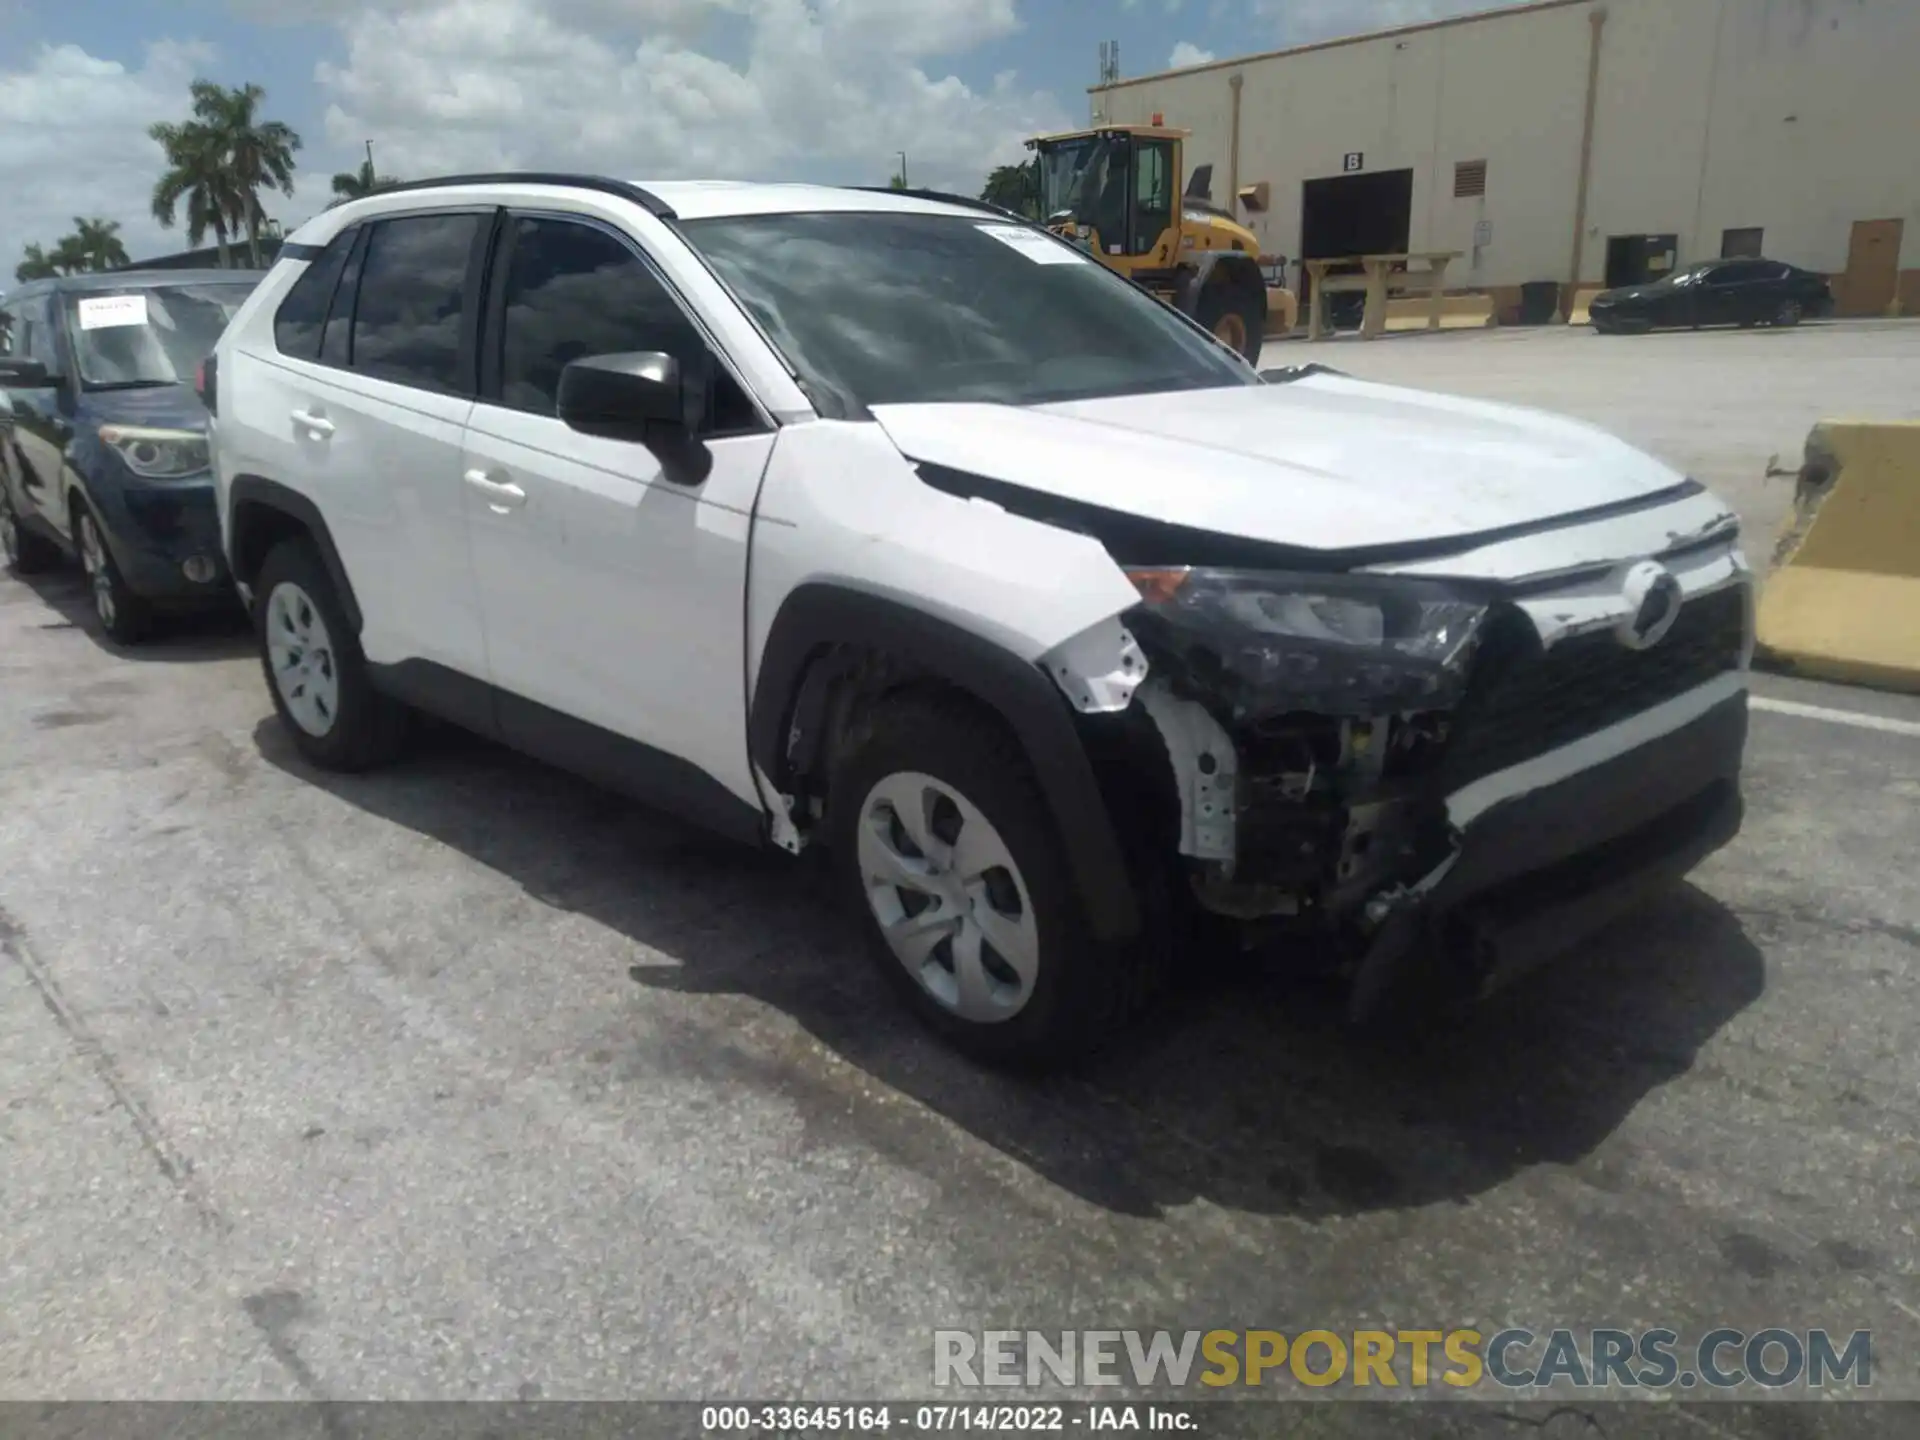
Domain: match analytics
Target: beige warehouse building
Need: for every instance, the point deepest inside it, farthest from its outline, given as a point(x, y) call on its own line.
point(1586, 141)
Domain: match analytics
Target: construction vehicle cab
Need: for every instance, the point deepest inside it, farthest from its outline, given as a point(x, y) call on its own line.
point(1116, 190)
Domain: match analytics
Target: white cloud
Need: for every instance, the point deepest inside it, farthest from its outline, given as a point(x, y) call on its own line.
point(822, 89)
point(1187, 53)
point(73, 141)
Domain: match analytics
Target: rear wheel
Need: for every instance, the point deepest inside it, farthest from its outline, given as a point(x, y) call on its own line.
point(1789, 313)
point(947, 852)
point(1236, 313)
point(22, 551)
point(315, 670)
point(123, 615)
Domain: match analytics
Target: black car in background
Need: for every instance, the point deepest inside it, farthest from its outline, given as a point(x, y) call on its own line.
point(103, 447)
point(1715, 292)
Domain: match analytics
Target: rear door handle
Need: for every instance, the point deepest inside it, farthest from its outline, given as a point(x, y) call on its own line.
point(315, 424)
point(502, 495)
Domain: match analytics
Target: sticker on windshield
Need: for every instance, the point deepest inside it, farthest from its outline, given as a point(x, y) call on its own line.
point(102, 312)
point(1041, 249)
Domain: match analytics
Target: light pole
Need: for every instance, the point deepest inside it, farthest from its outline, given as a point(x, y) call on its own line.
point(903, 168)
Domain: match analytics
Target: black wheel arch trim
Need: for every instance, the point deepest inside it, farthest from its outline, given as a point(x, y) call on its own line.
point(820, 615)
point(272, 495)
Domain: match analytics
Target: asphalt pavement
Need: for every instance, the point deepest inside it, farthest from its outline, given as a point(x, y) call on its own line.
point(466, 1080)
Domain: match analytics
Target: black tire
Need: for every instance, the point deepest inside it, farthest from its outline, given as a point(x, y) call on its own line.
point(22, 551)
point(1789, 314)
point(1230, 303)
point(1083, 992)
point(123, 617)
point(368, 728)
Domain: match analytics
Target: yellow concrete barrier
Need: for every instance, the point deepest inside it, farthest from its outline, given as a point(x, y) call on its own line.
point(1843, 601)
point(1582, 300)
point(1457, 312)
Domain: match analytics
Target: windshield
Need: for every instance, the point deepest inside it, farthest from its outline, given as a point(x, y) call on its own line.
point(1073, 175)
point(897, 309)
point(154, 335)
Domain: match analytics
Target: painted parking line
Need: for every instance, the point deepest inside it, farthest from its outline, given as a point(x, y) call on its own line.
point(1854, 718)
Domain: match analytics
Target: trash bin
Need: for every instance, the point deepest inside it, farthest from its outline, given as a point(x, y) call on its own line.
point(1539, 302)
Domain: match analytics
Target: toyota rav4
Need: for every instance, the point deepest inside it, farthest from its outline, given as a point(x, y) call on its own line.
point(890, 524)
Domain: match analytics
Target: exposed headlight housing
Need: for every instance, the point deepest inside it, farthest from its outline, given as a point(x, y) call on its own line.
point(158, 454)
point(1337, 645)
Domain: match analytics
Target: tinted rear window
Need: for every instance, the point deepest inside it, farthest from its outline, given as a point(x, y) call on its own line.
point(407, 315)
point(296, 324)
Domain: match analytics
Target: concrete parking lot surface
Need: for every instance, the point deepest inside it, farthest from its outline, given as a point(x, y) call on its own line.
point(466, 1080)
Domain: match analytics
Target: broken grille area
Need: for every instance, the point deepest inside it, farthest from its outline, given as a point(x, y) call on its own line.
point(1523, 702)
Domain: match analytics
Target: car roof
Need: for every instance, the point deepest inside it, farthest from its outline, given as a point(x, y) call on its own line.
point(143, 279)
point(708, 199)
point(679, 199)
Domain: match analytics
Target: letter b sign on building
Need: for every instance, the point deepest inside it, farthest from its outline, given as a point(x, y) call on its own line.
point(1355, 161)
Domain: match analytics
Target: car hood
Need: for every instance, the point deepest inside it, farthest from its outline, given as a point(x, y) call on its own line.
point(170, 407)
point(1325, 463)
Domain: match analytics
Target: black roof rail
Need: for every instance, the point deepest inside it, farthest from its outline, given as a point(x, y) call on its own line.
point(942, 197)
point(625, 189)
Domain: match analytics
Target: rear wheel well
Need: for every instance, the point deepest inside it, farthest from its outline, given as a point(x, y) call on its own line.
point(257, 528)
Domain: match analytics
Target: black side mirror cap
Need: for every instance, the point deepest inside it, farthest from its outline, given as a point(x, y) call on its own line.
point(639, 396)
point(24, 374)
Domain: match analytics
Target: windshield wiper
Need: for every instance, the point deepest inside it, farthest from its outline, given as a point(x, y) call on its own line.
point(131, 385)
point(1287, 374)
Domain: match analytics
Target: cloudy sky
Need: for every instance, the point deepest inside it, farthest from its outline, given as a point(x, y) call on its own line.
point(810, 89)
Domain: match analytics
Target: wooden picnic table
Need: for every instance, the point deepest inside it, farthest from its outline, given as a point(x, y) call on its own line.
point(1382, 275)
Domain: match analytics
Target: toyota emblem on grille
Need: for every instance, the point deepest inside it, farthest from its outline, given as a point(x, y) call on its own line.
point(1653, 599)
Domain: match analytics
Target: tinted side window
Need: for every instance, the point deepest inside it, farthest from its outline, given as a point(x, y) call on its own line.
point(37, 343)
point(296, 324)
point(406, 319)
point(574, 290)
point(336, 341)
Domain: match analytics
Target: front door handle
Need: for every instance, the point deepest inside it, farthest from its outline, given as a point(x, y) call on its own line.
point(314, 423)
point(502, 495)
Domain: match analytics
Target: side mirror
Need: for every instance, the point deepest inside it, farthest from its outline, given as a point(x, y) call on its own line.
point(638, 396)
point(24, 374)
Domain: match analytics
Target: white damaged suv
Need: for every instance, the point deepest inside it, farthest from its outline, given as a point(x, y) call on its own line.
point(890, 524)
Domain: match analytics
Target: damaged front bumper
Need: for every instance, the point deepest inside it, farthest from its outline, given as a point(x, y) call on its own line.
point(1552, 850)
point(1459, 830)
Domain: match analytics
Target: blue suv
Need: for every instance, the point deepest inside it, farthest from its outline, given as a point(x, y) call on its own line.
point(103, 448)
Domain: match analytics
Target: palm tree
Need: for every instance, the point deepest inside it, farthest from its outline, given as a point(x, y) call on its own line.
point(256, 154)
point(1015, 188)
point(98, 242)
point(37, 265)
point(358, 184)
point(196, 176)
point(219, 162)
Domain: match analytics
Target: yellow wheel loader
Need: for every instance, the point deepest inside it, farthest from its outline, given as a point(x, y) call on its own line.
point(1116, 190)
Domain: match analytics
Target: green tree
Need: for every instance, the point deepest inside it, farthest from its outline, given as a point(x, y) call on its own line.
point(358, 184)
point(220, 162)
point(37, 265)
point(256, 153)
point(196, 177)
point(1015, 188)
point(97, 243)
point(897, 182)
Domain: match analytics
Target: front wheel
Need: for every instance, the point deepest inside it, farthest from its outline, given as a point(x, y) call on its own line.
point(946, 851)
point(1789, 314)
point(1237, 316)
point(315, 670)
point(124, 616)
